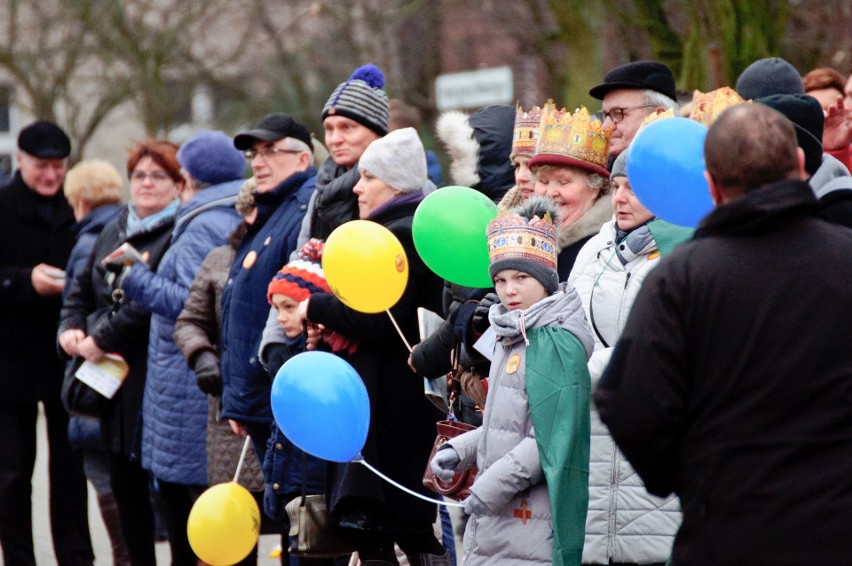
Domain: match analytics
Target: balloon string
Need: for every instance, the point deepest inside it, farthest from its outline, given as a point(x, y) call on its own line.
point(242, 458)
point(401, 335)
point(360, 460)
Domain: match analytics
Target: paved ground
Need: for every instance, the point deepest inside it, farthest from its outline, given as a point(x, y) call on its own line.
point(103, 557)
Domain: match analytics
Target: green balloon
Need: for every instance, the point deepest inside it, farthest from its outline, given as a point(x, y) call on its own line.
point(449, 234)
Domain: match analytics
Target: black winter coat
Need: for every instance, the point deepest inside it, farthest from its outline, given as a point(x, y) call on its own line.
point(120, 327)
point(402, 424)
point(33, 229)
point(731, 385)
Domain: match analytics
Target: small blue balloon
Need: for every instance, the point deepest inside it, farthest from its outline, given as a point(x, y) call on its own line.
point(665, 167)
point(321, 405)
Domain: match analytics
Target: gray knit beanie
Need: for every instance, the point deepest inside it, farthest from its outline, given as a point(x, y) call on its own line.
point(769, 76)
point(399, 160)
point(619, 166)
point(362, 99)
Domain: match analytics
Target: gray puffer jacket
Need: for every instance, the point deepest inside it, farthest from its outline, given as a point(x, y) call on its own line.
point(518, 527)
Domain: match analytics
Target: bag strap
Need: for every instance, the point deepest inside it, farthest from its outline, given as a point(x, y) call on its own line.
point(304, 475)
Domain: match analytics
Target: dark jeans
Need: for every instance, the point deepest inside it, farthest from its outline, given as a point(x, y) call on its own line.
point(69, 522)
point(131, 490)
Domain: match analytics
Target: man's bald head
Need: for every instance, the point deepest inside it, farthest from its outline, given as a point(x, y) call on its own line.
point(748, 146)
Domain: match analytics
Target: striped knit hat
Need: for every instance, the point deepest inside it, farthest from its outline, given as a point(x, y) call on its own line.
point(362, 99)
point(303, 276)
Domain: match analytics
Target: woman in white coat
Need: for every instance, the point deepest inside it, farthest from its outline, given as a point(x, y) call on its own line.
point(625, 524)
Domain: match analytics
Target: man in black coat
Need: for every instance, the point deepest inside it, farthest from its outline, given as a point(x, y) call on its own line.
point(35, 241)
point(732, 381)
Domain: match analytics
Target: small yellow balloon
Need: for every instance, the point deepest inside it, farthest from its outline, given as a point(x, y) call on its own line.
point(365, 266)
point(224, 524)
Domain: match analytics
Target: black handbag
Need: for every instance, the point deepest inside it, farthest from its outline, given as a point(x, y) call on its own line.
point(80, 399)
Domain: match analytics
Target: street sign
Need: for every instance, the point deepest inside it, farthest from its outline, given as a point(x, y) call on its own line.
point(473, 89)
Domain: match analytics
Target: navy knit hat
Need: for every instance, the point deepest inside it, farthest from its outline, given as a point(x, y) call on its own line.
point(362, 99)
point(45, 140)
point(806, 114)
point(210, 157)
point(769, 76)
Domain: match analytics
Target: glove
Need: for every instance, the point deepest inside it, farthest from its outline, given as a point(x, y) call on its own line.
point(208, 376)
point(445, 462)
point(480, 323)
point(474, 506)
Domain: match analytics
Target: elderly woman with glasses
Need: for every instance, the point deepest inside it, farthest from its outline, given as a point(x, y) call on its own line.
point(97, 318)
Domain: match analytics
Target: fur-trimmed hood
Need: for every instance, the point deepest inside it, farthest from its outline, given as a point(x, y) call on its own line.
point(479, 146)
point(588, 225)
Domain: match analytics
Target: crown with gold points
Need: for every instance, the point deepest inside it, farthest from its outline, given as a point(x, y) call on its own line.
point(526, 130)
point(707, 106)
point(573, 140)
point(655, 117)
point(511, 236)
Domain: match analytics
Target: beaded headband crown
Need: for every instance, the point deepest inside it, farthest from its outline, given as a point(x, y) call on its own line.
point(525, 135)
point(707, 106)
point(510, 236)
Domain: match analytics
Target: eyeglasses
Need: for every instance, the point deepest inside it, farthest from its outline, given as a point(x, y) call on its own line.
point(266, 152)
point(156, 176)
point(617, 114)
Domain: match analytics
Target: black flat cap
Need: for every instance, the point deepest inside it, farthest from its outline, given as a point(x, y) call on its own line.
point(806, 114)
point(45, 140)
point(640, 75)
point(272, 127)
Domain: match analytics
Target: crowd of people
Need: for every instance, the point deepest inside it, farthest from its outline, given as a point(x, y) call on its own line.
point(639, 392)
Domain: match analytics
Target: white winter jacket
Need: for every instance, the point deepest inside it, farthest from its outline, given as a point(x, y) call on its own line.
point(625, 523)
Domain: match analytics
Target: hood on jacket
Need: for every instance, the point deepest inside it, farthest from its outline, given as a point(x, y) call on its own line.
point(479, 146)
point(831, 176)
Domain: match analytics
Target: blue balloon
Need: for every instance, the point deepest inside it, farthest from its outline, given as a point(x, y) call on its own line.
point(321, 405)
point(665, 167)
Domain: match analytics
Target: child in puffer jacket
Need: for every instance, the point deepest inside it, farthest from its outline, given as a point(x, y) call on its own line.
point(529, 501)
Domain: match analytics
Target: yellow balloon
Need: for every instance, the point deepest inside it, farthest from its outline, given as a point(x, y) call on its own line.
point(224, 524)
point(365, 266)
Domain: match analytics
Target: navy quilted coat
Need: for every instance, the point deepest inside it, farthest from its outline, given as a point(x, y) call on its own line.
point(174, 410)
point(262, 252)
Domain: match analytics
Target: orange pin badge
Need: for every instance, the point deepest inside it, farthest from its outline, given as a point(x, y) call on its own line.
point(513, 364)
point(249, 260)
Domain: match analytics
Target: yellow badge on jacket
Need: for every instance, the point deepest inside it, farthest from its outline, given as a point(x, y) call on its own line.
point(513, 364)
point(249, 260)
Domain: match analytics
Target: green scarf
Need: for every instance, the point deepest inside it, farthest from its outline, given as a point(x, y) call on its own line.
point(559, 389)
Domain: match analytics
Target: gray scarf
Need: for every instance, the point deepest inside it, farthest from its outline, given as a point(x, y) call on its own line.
point(563, 308)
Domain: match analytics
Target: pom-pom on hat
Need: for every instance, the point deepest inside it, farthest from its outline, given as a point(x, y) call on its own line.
point(362, 99)
point(399, 160)
point(525, 239)
point(303, 276)
point(45, 140)
point(769, 76)
point(210, 157)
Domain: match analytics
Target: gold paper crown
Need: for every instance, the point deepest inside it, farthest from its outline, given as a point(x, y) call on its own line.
point(526, 130)
point(510, 236)
point(707, 106)
point(653, 117)
point(572, 139)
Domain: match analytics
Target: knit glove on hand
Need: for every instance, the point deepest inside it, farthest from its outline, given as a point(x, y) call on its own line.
point(474, 506)
point(208, 376)
point(480, 323)
point(445, 462)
